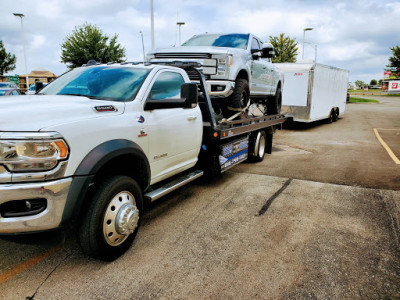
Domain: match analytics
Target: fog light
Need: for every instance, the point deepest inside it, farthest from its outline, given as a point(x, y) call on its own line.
point(22, 208)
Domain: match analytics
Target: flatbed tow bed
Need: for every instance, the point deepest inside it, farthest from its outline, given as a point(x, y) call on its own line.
point(225, 143)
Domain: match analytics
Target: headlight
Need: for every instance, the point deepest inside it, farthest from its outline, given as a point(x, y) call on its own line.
point(32, 155)
point(223, 65)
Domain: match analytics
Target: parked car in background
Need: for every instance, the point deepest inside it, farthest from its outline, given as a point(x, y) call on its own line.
point(8, 85)
point(10, 92)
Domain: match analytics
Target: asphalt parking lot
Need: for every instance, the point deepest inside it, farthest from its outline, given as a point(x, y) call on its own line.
point(317, 219)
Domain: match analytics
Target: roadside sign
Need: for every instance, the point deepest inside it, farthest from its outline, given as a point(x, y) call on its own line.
point(394, 86)
point(14, 79)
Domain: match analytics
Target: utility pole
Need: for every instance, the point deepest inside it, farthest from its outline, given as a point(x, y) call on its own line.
point(23, 42)
point(152, 24)
point(144, 57)
point(180, 24)
point(304, 33)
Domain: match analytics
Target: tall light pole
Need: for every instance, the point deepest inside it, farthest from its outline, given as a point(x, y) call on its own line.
point(152, 24)
point(23, 42)
point(304, 33)
point(144, 58)
point(180, 24)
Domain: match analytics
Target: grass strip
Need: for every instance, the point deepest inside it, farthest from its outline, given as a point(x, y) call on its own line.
point(357, 100)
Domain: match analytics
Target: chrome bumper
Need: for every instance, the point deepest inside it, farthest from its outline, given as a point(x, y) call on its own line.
point(55, 192)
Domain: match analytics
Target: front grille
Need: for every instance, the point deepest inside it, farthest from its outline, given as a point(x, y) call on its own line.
point(183, 55)
point(193, 76)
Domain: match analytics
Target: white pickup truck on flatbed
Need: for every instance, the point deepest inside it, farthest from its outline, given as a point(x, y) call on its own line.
point(243, 70)
point(101, 141)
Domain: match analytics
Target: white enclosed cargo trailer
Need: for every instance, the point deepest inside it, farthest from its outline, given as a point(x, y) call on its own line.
point(313, 91)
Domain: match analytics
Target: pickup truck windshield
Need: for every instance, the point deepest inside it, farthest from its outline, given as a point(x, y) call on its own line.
point(219, 40)
point(99, 82)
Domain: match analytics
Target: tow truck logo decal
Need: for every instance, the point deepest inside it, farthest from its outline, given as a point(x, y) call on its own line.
point(140, 119)
point(298, 74)
point(142, 133)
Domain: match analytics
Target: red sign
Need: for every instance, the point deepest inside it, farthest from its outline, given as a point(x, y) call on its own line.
point(395, 85)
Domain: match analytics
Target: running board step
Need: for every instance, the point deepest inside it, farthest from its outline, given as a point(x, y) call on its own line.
point(173, 185)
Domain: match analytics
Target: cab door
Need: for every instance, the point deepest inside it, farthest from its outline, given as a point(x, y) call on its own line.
point(261, 70)
point(174, 134)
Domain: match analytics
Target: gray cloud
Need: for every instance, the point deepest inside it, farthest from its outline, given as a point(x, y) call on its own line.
point(355, 35)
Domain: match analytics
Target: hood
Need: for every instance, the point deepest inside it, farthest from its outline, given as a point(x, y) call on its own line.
point(197, 49)
point(36, 112)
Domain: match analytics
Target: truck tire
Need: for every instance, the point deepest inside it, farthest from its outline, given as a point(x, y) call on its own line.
point(112, 220)
point(274, 103)
point(240, 96)
point(258, 142)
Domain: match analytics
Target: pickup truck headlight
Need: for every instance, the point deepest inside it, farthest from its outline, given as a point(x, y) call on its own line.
point(32, 155)
point(223, 65)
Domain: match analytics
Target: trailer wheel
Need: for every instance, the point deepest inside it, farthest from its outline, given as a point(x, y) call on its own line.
point(336, 114)
point(331, 117)
point(274, 103)
point(240, 96)
point(257, 146)
point(112, 220)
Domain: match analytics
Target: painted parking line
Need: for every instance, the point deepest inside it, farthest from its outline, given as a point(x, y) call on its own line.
point(387, 148)
point(27, 264)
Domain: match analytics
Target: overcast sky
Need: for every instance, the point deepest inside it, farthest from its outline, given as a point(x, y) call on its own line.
point(355, 35)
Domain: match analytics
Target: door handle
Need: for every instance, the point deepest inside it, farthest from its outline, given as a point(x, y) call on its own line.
point(191, 118)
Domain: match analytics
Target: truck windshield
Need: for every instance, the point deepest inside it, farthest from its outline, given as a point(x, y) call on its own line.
point(99, 82)
point(219, 40)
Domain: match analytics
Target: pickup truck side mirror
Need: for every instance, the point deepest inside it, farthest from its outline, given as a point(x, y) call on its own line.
point(189, 99)
point(190, 93)
point(255, 53)
point(267, 51)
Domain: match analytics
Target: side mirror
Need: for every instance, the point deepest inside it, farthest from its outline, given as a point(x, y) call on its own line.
point(190, 93)
point(267, 51)
point(38, 86)
point(255, 53)
point(189, 99)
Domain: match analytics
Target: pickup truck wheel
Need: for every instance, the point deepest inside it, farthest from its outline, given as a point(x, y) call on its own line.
point(112, 219)
point(257, 146)
point(274, 103)
point(240, 96)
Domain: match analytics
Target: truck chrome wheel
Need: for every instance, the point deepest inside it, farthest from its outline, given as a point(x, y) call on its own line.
point(121, 218)
point(261, 146)
point(112, 219)
point(257, 146)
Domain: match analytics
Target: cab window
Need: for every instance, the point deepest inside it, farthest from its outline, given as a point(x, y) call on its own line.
point(167, 86)
point(255, 45)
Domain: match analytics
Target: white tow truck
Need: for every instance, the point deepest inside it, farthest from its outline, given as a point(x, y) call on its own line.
point(98, 143)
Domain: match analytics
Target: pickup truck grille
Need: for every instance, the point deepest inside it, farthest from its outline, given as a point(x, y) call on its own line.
point(182, 55)
point(194, 77)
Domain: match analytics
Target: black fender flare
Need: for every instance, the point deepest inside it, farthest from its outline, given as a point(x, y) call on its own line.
point(92, 163)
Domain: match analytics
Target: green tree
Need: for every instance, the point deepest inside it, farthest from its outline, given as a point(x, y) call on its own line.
point(394, 61)
point(373, 82)
point(360, 83)
point(88, 42)
point(380, 81)
point(285, 48)
point(7, 60)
